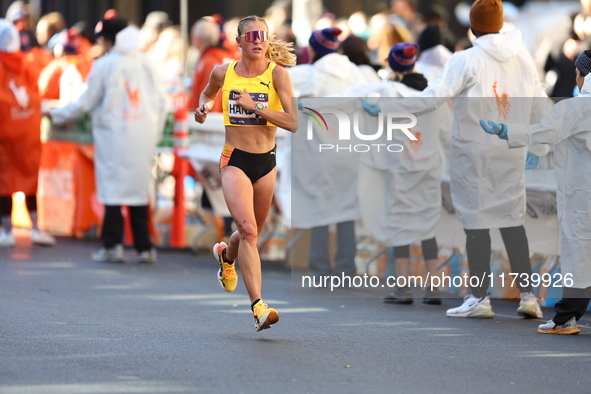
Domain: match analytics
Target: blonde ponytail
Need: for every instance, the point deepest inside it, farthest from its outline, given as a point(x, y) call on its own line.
point(279, 51)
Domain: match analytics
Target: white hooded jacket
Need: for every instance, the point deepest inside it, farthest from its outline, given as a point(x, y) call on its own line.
point(9, 38)
point(495, 80)
point(400, 194)
point(568, 126)
point(331, 74)
point(431, 61)
point(324, 186)
point(128, 105)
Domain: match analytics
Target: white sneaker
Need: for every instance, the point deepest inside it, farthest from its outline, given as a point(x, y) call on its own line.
point(148, 256)
point(114, 254)
point(529, 306)
point(6, 239)
point(40, 237)
point(568, 328)
point(472, 307)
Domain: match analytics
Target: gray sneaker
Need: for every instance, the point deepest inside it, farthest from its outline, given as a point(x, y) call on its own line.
point(473, 307)
point(568, 328)
point(6, 239)
point(114, 254)
point(529, 307)
point(40, 237)
point(148, 256)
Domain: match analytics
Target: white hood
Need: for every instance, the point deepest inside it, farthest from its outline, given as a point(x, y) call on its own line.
point(502, 46)
point(586, 90)
point(127, 40)
point(334, 64)
point(9, 39)
point(301, 80)
point(436, 56)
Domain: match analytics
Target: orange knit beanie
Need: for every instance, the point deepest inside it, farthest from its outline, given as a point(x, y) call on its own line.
point(486, 16)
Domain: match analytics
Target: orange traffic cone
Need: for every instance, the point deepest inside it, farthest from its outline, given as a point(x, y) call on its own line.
point(179, 171)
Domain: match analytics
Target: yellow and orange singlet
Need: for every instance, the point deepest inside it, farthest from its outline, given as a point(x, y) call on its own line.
point(261, 89)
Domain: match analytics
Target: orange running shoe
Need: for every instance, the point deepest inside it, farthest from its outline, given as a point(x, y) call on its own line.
point(227, 275)
point(264, 316)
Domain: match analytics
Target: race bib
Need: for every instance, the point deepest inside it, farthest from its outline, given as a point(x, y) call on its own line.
point(242, 117)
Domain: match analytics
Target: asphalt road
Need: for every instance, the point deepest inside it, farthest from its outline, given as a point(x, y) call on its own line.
point(71, 325)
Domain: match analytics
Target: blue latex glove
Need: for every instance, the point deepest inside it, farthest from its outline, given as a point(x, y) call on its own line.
point(300, 105)
point(372, 109)
point(498, 129)
point(531, 161)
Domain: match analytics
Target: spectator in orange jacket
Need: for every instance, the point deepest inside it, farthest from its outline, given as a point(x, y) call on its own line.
point(205, 35)
point(37, 58)
point(20, 143)
point(66, 52)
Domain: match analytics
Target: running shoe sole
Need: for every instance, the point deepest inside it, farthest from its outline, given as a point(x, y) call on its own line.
point(269, 318)
point(529, 311)
point(217, 256)
point(480, 312)
point(563, 331)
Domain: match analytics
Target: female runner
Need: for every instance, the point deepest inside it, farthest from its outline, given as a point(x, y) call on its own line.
point(256, 97)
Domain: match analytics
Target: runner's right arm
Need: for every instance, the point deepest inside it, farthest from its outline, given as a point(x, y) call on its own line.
point(216, 81)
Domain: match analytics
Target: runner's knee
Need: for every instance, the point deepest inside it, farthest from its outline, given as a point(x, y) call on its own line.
point(248, 231)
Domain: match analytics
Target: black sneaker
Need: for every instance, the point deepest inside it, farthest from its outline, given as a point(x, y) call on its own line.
point(402, 295)
point(432, 297)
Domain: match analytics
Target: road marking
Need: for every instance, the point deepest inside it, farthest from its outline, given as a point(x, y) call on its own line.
point(554, 354)
point(387, 324)
point(108, 387)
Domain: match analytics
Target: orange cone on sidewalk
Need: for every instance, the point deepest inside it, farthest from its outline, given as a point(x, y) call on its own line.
point(179, 171)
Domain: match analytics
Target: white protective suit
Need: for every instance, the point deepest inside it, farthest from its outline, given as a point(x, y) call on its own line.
point(128, 105)
point(400, 193)
point(430, 62)
point(331, 74)
point(370, 75)
point(568, 125)
point(497, 80)
point(324, 186)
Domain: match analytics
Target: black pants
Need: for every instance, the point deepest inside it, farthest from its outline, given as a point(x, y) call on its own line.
point(429, 247)
point(478, 252)
point(344, 260)
point(6, 204)
point(113, 227)
point(574, 303)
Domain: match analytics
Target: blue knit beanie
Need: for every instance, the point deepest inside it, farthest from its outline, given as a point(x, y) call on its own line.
point(583, 63)
point(402, 57)
point(325, 41)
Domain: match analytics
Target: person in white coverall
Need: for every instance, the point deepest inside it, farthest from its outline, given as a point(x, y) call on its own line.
point(329, 73)
point(432, 57)
point(433, 54)
point(568, 127)
point(127, 101)
point(485, 195)
point(405, 200)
